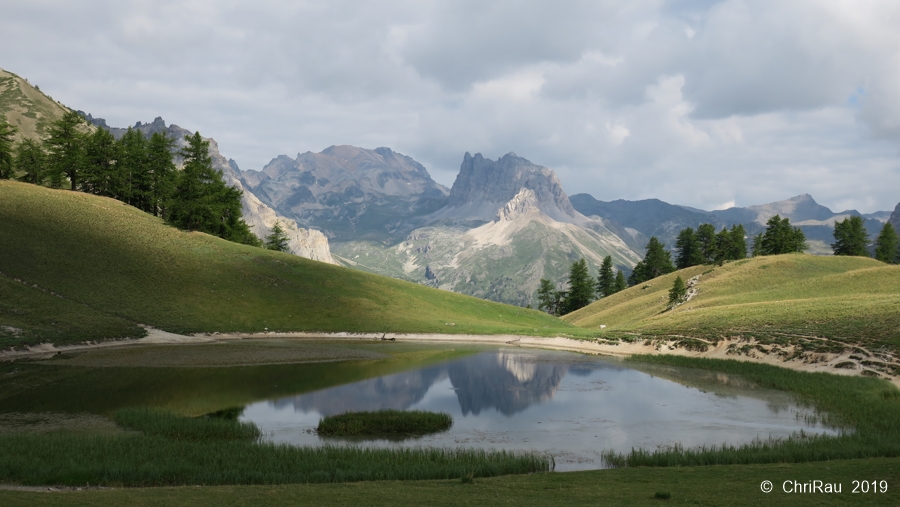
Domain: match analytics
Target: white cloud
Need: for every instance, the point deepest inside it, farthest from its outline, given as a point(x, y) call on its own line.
point(688, 101)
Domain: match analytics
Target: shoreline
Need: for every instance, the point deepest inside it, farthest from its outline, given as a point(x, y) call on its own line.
point(816, 362)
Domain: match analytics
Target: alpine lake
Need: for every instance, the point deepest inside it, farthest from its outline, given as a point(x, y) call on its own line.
point(570, 406)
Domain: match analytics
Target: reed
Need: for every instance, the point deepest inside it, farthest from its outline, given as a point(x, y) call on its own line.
point(152, 460)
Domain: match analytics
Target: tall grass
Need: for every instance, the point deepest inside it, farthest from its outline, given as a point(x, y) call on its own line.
point(137, 460)
point(867, 408)
point(384, 422)
point(165, 424)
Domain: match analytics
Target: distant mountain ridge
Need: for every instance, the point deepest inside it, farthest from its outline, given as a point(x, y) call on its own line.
point(348, 192)
point(653, 217)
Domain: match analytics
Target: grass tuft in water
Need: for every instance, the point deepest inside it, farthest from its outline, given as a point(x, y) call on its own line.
point(384, 422)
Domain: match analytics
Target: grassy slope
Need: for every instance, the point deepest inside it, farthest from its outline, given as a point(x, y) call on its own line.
point(25, 107)
point(849, 299)
point(736, 485)
point(112, 259)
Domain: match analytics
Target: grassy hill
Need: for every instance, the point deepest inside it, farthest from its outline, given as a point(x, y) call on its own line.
point(26, 107)
point(794, 298)
point(77, 266)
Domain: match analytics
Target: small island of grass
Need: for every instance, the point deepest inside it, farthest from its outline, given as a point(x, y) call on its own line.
point(384, 422)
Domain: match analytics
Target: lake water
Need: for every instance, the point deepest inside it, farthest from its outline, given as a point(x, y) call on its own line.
point(571, 406)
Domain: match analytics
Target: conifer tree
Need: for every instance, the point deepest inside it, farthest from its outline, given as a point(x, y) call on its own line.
point(850, 237)
point(781, 238)
point(202, 201)
point(131, 182)
point(31, 161)
point(887, 244)
point(548, 297)
point(160, 170)
point(65, 144)
point(737, 246)
point(7, 166)
point(621, 284)
point(706, 239)
point(581, 287)
point(757, 248)
point(606, 281)
point(677, 292)
point(657, 262)
point(102, 155)
point(277, 240)
point(687, 249)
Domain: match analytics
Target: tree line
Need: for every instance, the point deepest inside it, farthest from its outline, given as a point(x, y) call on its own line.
point(582, 288)
point(852, 238)
point(692, 248)
point(136, 170)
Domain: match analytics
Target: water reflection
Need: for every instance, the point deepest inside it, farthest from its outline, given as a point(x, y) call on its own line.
point(527, 400)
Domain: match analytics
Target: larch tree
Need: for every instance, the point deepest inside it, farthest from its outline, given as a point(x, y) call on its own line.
point(886, 245)
point(277, 240)
point(7, 159)
point(581, 287)
point(65, 145)
point(850, 237)
point(621, 283)
point(606, 281)
point(657, 261)
point(31, 161)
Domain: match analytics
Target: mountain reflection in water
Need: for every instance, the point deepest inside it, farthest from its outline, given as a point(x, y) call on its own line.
point(568, 405)
point(508, 382)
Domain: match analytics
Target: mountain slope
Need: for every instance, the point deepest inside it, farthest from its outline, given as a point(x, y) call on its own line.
point(261, 218)
point(785, 299)
point(483, 245)
point(110, 258)
point(26, 107)
point(350, 193)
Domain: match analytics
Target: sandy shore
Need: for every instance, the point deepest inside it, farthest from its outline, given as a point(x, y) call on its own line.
point(818, 362)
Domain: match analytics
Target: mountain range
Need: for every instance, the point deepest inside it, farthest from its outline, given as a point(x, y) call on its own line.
point(502, 226)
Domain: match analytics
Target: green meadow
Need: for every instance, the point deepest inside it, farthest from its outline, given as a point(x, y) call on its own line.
point(820, 303)
point(108, 267)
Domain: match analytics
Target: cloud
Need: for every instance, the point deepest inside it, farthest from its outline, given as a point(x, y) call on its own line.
point(685, 101)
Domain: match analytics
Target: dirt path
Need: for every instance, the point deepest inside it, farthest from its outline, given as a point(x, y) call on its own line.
point(844, 363)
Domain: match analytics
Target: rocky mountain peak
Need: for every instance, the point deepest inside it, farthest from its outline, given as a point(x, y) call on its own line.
point(524, 203)
point(895, 218)
point(483, 186)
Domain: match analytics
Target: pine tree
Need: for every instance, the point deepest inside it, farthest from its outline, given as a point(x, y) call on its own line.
point(581, 287)
point(757, 248)
point(547, 297)
point(781, 238)
point(160, 173)
point(621, 284)
point(7, 166)
point(850, 237)
point(606, 281)
point(31, 161)
point(687, 249)
point(737, 245)
point(202, 201)
point(102, 155)
point(723, 247)
point(277, 240)
point(886, 246)
point(131, 182)
point(706, 239)
point(65, 144)
point(657, 262)
point(677, 292)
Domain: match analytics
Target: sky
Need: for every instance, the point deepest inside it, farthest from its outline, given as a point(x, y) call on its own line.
point(708, 104)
